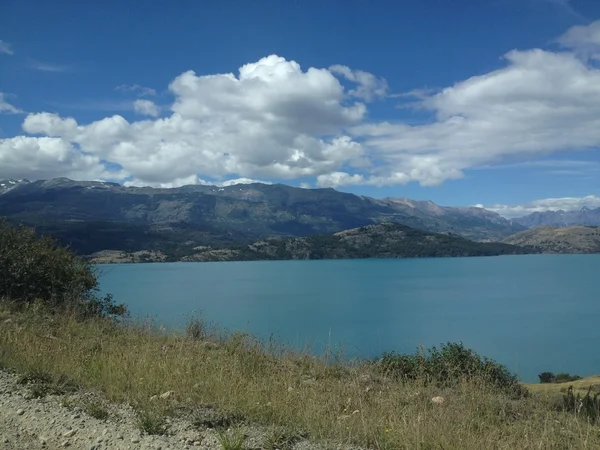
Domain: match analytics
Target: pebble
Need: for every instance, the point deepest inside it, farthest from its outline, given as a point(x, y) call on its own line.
point(438, 400)
point(69, 433)
point(20, 412)
point(75, 416)
point(135, 440)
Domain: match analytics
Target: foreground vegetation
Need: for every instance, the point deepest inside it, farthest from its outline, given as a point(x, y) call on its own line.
point(61, 336)
point(364, 403)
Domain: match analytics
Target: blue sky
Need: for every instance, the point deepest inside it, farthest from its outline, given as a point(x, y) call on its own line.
point(466, 102)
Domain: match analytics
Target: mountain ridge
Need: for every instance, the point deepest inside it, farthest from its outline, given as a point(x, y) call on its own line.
point(564, 240)
point(561, 218)
point(146, 218)
point(384, 240)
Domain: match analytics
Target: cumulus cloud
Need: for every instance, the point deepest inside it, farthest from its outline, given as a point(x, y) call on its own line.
point(145, 107)
point(6, 107)
point(547, 204)
point(46, 157)
point(6, 48)
point(274, 119)
point(136, 88)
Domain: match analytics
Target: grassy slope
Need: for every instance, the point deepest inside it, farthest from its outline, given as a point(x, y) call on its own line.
point(580, 386)
point(344, 403)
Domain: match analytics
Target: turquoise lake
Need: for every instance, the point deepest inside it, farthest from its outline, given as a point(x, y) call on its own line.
point(532, 313)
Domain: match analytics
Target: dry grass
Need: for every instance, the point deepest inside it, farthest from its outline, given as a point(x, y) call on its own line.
point(330, 402)
point(580, 386)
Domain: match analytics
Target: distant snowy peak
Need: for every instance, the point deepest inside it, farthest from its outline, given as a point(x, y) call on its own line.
point(7, 185)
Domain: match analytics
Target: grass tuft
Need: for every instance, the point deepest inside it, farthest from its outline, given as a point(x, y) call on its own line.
point(151, 422)
point(231, 440)
point(96, 410)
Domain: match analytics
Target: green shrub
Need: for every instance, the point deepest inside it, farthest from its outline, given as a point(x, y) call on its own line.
point(549, 377)
point(448, 365)
point(546, 377)
point(565, 378)
point(35, 269)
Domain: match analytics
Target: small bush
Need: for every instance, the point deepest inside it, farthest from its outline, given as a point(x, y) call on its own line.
point(36, 269)
point(96, 410)
point(195, 330)
point(448, 365)
point(587, 406)
point(280, 438)
point(232, 440)
point(152, 423)
point(546, 377)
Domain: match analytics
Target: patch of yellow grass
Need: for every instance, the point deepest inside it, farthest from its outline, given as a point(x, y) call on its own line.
point(581, 386)
point(329, 401)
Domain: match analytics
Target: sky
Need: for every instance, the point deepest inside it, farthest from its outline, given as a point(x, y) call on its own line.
point(493, 103)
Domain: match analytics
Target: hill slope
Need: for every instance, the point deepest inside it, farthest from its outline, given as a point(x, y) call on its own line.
point(94, 216)
point(387, 240)
point(559, 240)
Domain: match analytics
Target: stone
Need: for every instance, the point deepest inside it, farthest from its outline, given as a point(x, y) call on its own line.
point(438, 400)
point(135, 440)
point(75, 416)
point(20, 412)
point(65, 444)
point(69, 433)
point(166, 395)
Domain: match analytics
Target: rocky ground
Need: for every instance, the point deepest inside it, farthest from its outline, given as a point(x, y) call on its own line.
point(56, 421)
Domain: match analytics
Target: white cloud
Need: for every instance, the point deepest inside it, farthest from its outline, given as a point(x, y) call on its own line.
point(6, 48)
point(146, 108)
point(46, 157)
point(547, 204)
point(540, 103)
point(274, 120)
point(195, 180)
point(369, 86)
point(584, 39)
point(136, 88)
point(49, 67)
point(6, 107)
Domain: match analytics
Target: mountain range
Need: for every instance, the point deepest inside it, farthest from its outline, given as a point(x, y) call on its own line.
point(94, 216)
point(560, 218)
point(91, 216)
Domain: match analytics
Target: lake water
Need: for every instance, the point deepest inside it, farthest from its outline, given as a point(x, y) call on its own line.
point(533, 313)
